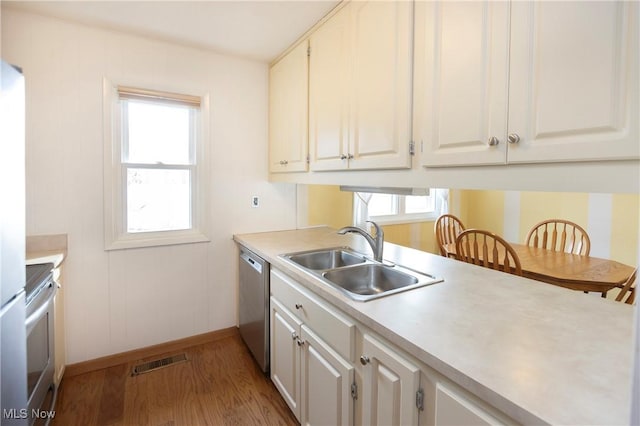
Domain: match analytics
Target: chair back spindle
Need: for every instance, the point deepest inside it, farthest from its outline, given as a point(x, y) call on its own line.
point(447, 228)
point(489, 250)
point(560, 235)
point(628, 292)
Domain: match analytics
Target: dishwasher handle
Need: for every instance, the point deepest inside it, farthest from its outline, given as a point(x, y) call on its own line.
point(255, 264)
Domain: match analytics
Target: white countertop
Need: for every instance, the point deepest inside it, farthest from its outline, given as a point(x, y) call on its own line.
point(46, 248)
point(537, 352)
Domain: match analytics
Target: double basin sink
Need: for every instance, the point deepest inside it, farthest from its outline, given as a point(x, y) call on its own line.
point(357, 276)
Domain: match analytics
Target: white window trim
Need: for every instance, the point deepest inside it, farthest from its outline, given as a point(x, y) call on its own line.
point(402, 218)
point(115, 236)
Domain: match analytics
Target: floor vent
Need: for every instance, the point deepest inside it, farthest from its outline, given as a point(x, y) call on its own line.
point(157, 364)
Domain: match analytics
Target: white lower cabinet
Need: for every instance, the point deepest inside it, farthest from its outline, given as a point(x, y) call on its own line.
point(314, 367)
point(452, 409)
point(310, 344)
point(326, 380)
point(313, 379)
point(391, 385)
point(285, 355)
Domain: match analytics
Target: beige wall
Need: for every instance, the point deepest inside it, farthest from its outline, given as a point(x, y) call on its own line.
point(126, 299)
point(611, 220)
point(327, 205)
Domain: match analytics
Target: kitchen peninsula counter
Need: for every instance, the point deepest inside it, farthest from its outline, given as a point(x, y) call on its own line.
point(536, 352)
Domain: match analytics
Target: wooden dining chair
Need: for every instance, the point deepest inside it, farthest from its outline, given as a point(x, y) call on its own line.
point(560, 235)
point(487, 249)
point(447, 228)
point(628, 292)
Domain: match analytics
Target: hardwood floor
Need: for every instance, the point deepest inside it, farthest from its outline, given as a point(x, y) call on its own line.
point(219, 384)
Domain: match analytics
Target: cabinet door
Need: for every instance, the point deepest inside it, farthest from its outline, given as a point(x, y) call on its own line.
point(453, 409)
point(288, 97)
point(380, 119)
point(285, 355)
point(461, 81)
point(326, 380)
point(574, 81)
point(390, 386)
point(329, 93)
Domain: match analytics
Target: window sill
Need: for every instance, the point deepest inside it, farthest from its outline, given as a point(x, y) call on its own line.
point(155, 239)
point(403, 219)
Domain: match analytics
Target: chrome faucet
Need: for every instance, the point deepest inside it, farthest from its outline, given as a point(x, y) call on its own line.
point(376, 244)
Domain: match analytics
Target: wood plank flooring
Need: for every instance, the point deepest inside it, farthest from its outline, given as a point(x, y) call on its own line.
point(220, 384)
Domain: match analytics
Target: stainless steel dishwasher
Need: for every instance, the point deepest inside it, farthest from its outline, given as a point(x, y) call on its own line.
point(253, 306)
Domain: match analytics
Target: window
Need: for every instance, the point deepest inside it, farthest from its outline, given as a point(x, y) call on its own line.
point(392, 208)
point(156, 174)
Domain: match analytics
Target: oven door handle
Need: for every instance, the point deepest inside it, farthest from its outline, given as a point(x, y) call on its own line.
point(33, 318)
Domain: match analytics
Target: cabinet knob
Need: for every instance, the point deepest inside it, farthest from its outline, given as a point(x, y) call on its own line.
point(514, 138)
point(493, 141)
point(298, 305)
point(364, 360)
point(350, 157)
point(343, 157)
point(300, 342)
point(294, 336)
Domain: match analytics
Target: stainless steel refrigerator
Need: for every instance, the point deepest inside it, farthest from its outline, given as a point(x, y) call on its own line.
point(13, 357)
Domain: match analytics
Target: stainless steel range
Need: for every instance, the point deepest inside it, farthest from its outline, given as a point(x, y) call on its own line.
point(40, 293)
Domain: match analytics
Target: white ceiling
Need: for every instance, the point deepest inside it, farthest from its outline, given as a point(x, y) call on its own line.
point(253, 29)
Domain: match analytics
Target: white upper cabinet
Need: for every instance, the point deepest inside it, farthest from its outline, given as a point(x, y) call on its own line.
point(524, 82)
point(288, 101)
point(573, 90)
point(328, 93)
point(461, 81)
point(361, 88)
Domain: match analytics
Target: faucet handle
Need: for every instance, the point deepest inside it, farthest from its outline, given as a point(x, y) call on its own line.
point(379, 230)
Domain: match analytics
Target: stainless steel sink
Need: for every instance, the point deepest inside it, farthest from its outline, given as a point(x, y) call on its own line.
point(319, 260)
point(369, 279)
point(358, 277)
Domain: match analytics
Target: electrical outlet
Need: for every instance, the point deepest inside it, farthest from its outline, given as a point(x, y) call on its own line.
point(255, 201)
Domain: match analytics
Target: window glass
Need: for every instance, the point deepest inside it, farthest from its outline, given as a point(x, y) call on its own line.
point(418, 204)
point(394, 208)
point(155, 180)
point(382, 205)
point(158, 200)
point(157, 133)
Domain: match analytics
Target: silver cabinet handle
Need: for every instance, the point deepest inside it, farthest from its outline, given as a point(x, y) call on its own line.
point(283, 162)
point(364, 360)
point(343, 157)
point(493, 141)
point(350, 157)
point(300, 342)
point(294, 336)
point(514, 138)
point(298, 305)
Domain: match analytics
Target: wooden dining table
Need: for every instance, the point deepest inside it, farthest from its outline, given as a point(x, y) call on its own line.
point(583, 273)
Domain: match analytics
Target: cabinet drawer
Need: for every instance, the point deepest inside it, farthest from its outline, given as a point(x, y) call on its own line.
point(332, 326)
point(453, 408)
